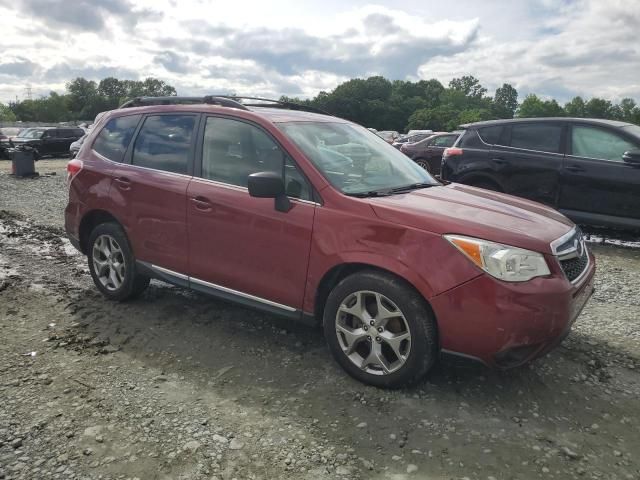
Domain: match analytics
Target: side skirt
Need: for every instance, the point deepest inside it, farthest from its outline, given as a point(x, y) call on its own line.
point(220, 292)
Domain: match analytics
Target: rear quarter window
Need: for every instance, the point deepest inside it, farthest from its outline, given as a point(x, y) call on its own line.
point(539, 137)
point(470, 139)
point(491, 135)
point(114, 138)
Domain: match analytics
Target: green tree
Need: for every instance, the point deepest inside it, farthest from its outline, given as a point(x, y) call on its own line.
point(505, 101)
point(532, 106)
point(575, 108)
point(598, 108)
point(629, 109)
point(6, 114)
point(469, 85)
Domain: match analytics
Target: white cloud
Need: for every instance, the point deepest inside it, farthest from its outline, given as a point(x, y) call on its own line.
point(553, 48)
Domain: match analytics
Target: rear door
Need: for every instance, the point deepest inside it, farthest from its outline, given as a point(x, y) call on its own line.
point(528, 160)
point(595, 179)
point(241, 245)
point(49, 142)
point(150, 187)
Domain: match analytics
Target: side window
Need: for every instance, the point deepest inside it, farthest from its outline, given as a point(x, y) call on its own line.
point(471, 139)
point(597, 143)
point(114, 138)
point(164, 143)
point(445, 141)
point(491, 135)
point(540, 137)
point(233, 150)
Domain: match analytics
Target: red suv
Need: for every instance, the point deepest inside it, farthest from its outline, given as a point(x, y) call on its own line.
point(313, 217)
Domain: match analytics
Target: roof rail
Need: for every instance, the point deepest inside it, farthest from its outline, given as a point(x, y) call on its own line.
point(275, 104)
point(223, 101)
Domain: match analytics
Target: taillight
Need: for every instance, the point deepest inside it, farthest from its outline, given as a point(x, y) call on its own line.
point(73, 168)
point(452, 152)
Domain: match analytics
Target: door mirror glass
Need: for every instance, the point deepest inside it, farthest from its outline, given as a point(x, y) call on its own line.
point(632, 156)
point(269, 185)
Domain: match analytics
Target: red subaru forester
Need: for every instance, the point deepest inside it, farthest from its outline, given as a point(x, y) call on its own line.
point(313, 217)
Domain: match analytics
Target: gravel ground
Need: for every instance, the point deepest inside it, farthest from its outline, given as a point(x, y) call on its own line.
point(177, 385)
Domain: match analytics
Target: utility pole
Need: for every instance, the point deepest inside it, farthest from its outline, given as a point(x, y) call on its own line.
point(27, 92)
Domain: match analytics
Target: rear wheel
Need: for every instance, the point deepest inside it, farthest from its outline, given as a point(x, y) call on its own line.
point(380, 330)
point(112, 264)
point(424, 164)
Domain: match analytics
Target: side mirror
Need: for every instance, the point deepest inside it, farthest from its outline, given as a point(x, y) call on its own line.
point(269, 185)
point(632, 157)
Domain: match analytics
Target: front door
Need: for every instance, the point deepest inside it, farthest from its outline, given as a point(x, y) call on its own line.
point(595, 179)
point(241, 245)
point(150, 189)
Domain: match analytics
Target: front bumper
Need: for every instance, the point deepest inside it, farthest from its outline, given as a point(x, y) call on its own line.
point(508, 324)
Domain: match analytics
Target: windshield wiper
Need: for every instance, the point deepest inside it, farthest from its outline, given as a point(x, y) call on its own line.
point(412, 186)
point(370, 193)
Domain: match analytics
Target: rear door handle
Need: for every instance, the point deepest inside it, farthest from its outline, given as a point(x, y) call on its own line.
point(575, 168)
point(123, 183)
point(201, 203)
point(500, 161)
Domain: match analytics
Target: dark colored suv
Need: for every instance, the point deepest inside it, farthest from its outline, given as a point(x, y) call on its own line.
point(428, 152)
point(315, 218)
point(588, 169)
point(47, 140)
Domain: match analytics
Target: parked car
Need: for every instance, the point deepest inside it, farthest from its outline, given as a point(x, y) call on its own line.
point(74, 148)
point(6, 133)
point(388, 136)
point(249, 204)
point(415, 132)
point(589, 169)
point(409, 139)
point(428, 152)
point(47, 140)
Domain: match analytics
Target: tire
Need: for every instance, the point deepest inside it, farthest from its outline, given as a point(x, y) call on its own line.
point(118, 278)
point(404, 364)
point(486, 184)
point(423, 163)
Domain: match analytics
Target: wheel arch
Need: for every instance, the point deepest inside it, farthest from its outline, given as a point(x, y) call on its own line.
point(91, 220)
point(339, 272)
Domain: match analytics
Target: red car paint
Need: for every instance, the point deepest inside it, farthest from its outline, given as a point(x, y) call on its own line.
point(219, 234)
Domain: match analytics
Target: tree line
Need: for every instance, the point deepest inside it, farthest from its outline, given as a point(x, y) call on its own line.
point(373, 102)
point(83, 100)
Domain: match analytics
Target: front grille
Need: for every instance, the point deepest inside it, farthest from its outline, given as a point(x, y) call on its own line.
point(573, 267)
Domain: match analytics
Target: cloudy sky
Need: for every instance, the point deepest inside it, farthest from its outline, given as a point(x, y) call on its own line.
point(556, 48)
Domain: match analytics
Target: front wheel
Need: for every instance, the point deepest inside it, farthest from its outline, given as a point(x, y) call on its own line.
point(112, 264)
point(380, 330)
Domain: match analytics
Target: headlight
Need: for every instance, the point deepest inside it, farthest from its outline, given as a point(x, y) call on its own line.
point(510, 264)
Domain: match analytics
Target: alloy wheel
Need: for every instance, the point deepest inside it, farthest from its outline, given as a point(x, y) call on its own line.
point(372, 332)
point(108, 262)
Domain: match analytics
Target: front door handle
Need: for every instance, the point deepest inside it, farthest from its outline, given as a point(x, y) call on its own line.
point(574, 168)
point(201, 203)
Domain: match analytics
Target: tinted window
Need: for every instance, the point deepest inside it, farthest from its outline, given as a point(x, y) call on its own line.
point(597, 143)
point(445, 141)
point(491, 135)
point(164, 143)
point(114, 138)
point(232, 150)
point(540, 137)
point(471, 139)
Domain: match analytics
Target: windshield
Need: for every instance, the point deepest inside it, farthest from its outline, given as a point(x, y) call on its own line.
point(354, 160)
point(31, 133)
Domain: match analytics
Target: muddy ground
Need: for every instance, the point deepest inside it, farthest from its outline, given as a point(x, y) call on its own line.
point(177, 385)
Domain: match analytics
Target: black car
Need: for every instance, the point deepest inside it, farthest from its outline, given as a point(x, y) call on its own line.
point(410, 139)
point(47, 140)
point(589, 169)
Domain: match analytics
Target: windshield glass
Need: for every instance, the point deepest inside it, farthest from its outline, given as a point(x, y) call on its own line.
point(31, 133)
point(353, 159)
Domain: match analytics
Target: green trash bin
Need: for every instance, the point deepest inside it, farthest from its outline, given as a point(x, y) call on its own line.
point(23, 163)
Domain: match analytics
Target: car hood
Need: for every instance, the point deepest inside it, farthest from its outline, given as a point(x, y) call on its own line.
point(475, 212)
point(18, 140)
